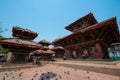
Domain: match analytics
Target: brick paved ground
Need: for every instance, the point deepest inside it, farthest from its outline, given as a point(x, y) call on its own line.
point(112, 68)
point(55, 72)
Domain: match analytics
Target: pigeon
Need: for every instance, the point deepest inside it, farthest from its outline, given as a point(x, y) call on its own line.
point(42, 78)
point(47, 77)
point(65, 72)
point(56, 78)
point(5, 73)
point(60, 77)
point(20, 75)
point(48, 72)
point(13, 77)
point(88, 77)
point(87, 71)
point(42, 74)
point(75, 70)
point(7, 76)
point(11, 73)
point(3, 77)
point(36, 74)
point(68, 72)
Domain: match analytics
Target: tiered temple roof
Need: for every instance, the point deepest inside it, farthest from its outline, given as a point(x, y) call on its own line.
point(42, 52)
point(57, 48)
point(105, 32)
point(44, 43)
point(19, 45)
point(23, 33)
point(81, 23)
point(23, 43)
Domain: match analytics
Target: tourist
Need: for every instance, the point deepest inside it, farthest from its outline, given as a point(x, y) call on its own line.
point(64, 57)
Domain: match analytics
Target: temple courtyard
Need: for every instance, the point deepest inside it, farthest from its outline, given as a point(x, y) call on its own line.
point(63, 70)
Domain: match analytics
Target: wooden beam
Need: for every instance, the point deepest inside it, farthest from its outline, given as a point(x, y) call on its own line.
point(116, 36)
point(92, 36)
point(104, 44)
point(97, 32)
point(77, 39)
point(87, 21)
point(25, 51)
point(103, 31)
point(70, 41)
point(82, 38)
point(84, 43)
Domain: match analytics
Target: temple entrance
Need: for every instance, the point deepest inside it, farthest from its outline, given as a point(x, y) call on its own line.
point(21, 58)
point(14, 57)
point(88, 52)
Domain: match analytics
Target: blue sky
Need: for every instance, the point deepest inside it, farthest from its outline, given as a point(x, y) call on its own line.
point(49, 17)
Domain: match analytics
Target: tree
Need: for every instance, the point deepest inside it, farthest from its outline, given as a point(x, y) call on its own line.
point(2, 30)
point(2, 50)
point(1, 37)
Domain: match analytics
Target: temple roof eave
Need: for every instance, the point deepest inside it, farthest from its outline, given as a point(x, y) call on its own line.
point(90, 28)
point(45, 42)
point(23, 33)
point(20, 45)
point(80, 19)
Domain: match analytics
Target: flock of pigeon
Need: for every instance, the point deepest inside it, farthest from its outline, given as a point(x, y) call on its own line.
point(19, 74)
point(53, 72)
point(11, 75)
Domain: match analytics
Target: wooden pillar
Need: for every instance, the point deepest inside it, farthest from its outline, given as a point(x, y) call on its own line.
point(104, 48)
point(67, 53)
point(27, 58)
point(74, 54)
point(105, 53)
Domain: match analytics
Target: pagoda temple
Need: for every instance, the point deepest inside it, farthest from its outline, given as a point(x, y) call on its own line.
point(45, 43)
point(90, 38)
point(21, 44)
point(59, 51)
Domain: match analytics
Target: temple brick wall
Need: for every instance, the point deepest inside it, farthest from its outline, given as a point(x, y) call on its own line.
point(96, 52)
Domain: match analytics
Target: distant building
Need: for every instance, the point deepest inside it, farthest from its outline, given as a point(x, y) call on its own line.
point(59, 51)
point(45, 43)
point(114, 51)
